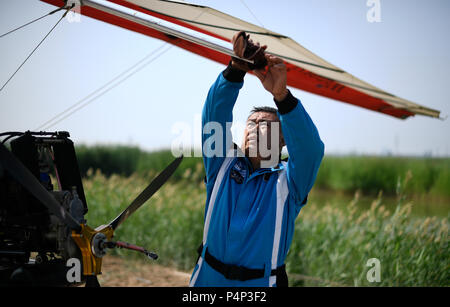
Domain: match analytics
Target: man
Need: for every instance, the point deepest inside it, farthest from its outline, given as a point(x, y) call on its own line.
point(252, 203)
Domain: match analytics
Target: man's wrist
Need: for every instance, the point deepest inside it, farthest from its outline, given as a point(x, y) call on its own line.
point(281, 96)
point(234, 74)
point(287, 104)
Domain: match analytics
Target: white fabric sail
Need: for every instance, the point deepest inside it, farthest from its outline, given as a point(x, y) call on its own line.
point(306, 70)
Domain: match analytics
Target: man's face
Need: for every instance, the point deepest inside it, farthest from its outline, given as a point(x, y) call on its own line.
point(263, 139)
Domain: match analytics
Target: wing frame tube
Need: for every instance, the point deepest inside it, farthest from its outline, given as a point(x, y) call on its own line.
point(163, 26)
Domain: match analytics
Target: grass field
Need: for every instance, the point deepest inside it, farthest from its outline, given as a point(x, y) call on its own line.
point(367, 174)
point(331, 246)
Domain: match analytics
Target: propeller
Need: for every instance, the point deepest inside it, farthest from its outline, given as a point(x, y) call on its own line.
point(147, 193)
point(92, 242)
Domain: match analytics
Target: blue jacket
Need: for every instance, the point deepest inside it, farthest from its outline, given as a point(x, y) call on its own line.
point(251, 223)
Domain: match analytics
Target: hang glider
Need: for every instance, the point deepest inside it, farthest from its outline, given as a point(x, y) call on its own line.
point(207, 32)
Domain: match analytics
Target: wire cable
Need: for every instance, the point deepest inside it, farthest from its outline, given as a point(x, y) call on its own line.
point(213, 25)
point(100, 88)
point(92, 96)
point(64, 15)
point(254, 16)
point(64, 114)
point(247, 31)
point(22, 26)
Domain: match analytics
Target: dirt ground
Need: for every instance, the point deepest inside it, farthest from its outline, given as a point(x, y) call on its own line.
point(118, 272)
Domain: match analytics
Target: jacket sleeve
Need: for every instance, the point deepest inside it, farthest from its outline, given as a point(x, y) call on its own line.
point(217, 116)
point(304, 146)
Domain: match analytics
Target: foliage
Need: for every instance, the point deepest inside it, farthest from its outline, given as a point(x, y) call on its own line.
point(331, 245)
point(368, 174)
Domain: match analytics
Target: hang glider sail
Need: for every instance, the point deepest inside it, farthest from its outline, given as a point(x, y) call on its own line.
point(207, 32)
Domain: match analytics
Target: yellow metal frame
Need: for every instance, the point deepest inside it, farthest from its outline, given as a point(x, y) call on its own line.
point(92, 265)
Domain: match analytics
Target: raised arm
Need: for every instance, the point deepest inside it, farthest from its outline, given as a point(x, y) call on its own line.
point(302, 139)
point(304, 145)
point(217, 112)
point(218, 108)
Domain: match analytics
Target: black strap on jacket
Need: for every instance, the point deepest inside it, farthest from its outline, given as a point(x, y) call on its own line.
point(241, 273)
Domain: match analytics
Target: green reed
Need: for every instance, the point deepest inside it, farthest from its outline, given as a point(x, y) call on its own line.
point(331, 244)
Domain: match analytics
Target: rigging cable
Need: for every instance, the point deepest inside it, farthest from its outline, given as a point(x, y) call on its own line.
point(64, 15)
point(92, 96)
point(64, 114)
point(254, 16)
point(279, 36)
point(52, 12)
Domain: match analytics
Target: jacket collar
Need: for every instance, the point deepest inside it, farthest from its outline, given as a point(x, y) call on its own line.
point(240, 154)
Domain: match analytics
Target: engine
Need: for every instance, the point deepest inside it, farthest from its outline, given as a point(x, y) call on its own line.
point(34, 244)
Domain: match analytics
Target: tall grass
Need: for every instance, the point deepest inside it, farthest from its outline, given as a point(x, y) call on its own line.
point(368, 174)
point(171, 223)
point(331, 245)
point(122, 160)
point(126, 160)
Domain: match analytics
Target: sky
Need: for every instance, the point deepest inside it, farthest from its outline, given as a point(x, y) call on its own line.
point(406, 53)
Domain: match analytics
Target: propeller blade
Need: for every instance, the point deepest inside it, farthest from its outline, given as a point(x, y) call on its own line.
point(147, 193)
point(22, 175)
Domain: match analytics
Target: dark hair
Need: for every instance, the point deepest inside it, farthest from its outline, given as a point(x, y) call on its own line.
point(264, 109)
